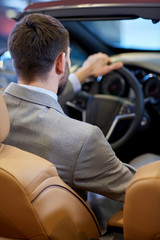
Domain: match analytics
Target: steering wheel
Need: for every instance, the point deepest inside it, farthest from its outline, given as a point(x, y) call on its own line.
point(108, 111)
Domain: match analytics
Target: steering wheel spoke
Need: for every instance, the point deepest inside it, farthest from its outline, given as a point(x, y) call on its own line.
point(117, 119)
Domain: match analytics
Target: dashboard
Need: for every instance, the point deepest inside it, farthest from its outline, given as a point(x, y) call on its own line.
point(144, 66)
point(149, 80)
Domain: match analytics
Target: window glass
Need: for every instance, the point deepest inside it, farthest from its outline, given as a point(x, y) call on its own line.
point(140, 34)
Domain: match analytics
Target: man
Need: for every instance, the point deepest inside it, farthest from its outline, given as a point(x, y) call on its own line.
point(39, 46)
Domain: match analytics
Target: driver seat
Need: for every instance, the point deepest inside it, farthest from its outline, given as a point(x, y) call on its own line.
point(34, 202)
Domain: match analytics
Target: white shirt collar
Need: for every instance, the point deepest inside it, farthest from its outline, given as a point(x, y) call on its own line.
point(42, 90)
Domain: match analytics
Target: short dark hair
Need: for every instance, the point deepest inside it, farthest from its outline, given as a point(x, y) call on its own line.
point(34, 44)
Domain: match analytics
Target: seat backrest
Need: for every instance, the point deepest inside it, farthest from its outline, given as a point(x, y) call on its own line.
point(34, 202)
point(141, 213)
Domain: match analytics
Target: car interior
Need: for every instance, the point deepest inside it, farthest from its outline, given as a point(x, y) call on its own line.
point(125, 104)
point(36, 204)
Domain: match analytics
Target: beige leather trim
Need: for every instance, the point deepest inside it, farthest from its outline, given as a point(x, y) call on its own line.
point(4, 120)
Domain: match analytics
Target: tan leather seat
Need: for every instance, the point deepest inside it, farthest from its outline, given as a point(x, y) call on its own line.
point(142, 204)
point(140, 218)
point(34, 202)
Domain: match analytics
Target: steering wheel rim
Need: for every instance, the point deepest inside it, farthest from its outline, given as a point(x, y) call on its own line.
point(139, 110)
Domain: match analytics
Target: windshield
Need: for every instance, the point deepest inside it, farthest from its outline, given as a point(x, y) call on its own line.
point(140, 34)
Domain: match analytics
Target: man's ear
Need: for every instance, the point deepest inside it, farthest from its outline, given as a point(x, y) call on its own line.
point(60, 63)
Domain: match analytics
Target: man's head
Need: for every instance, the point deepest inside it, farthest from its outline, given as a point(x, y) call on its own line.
point(35, 43)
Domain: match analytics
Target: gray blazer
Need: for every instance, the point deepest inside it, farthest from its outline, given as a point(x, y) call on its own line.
point(83, 157)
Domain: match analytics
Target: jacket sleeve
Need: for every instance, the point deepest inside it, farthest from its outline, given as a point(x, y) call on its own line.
point(98, 169)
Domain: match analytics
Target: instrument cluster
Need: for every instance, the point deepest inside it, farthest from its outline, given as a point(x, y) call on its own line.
point(150, 82)
point(115, 84)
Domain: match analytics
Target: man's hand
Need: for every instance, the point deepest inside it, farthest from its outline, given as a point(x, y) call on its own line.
point(96, 65)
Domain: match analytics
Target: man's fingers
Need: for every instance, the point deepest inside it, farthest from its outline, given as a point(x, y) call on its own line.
point(115, 66)
point(109, 67)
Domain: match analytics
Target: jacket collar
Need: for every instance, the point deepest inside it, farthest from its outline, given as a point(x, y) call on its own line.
point(31, 95)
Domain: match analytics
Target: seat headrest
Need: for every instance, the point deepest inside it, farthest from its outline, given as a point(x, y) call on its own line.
point(4, 119)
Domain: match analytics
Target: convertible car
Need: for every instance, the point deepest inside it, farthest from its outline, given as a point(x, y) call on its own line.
point(125, 103)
